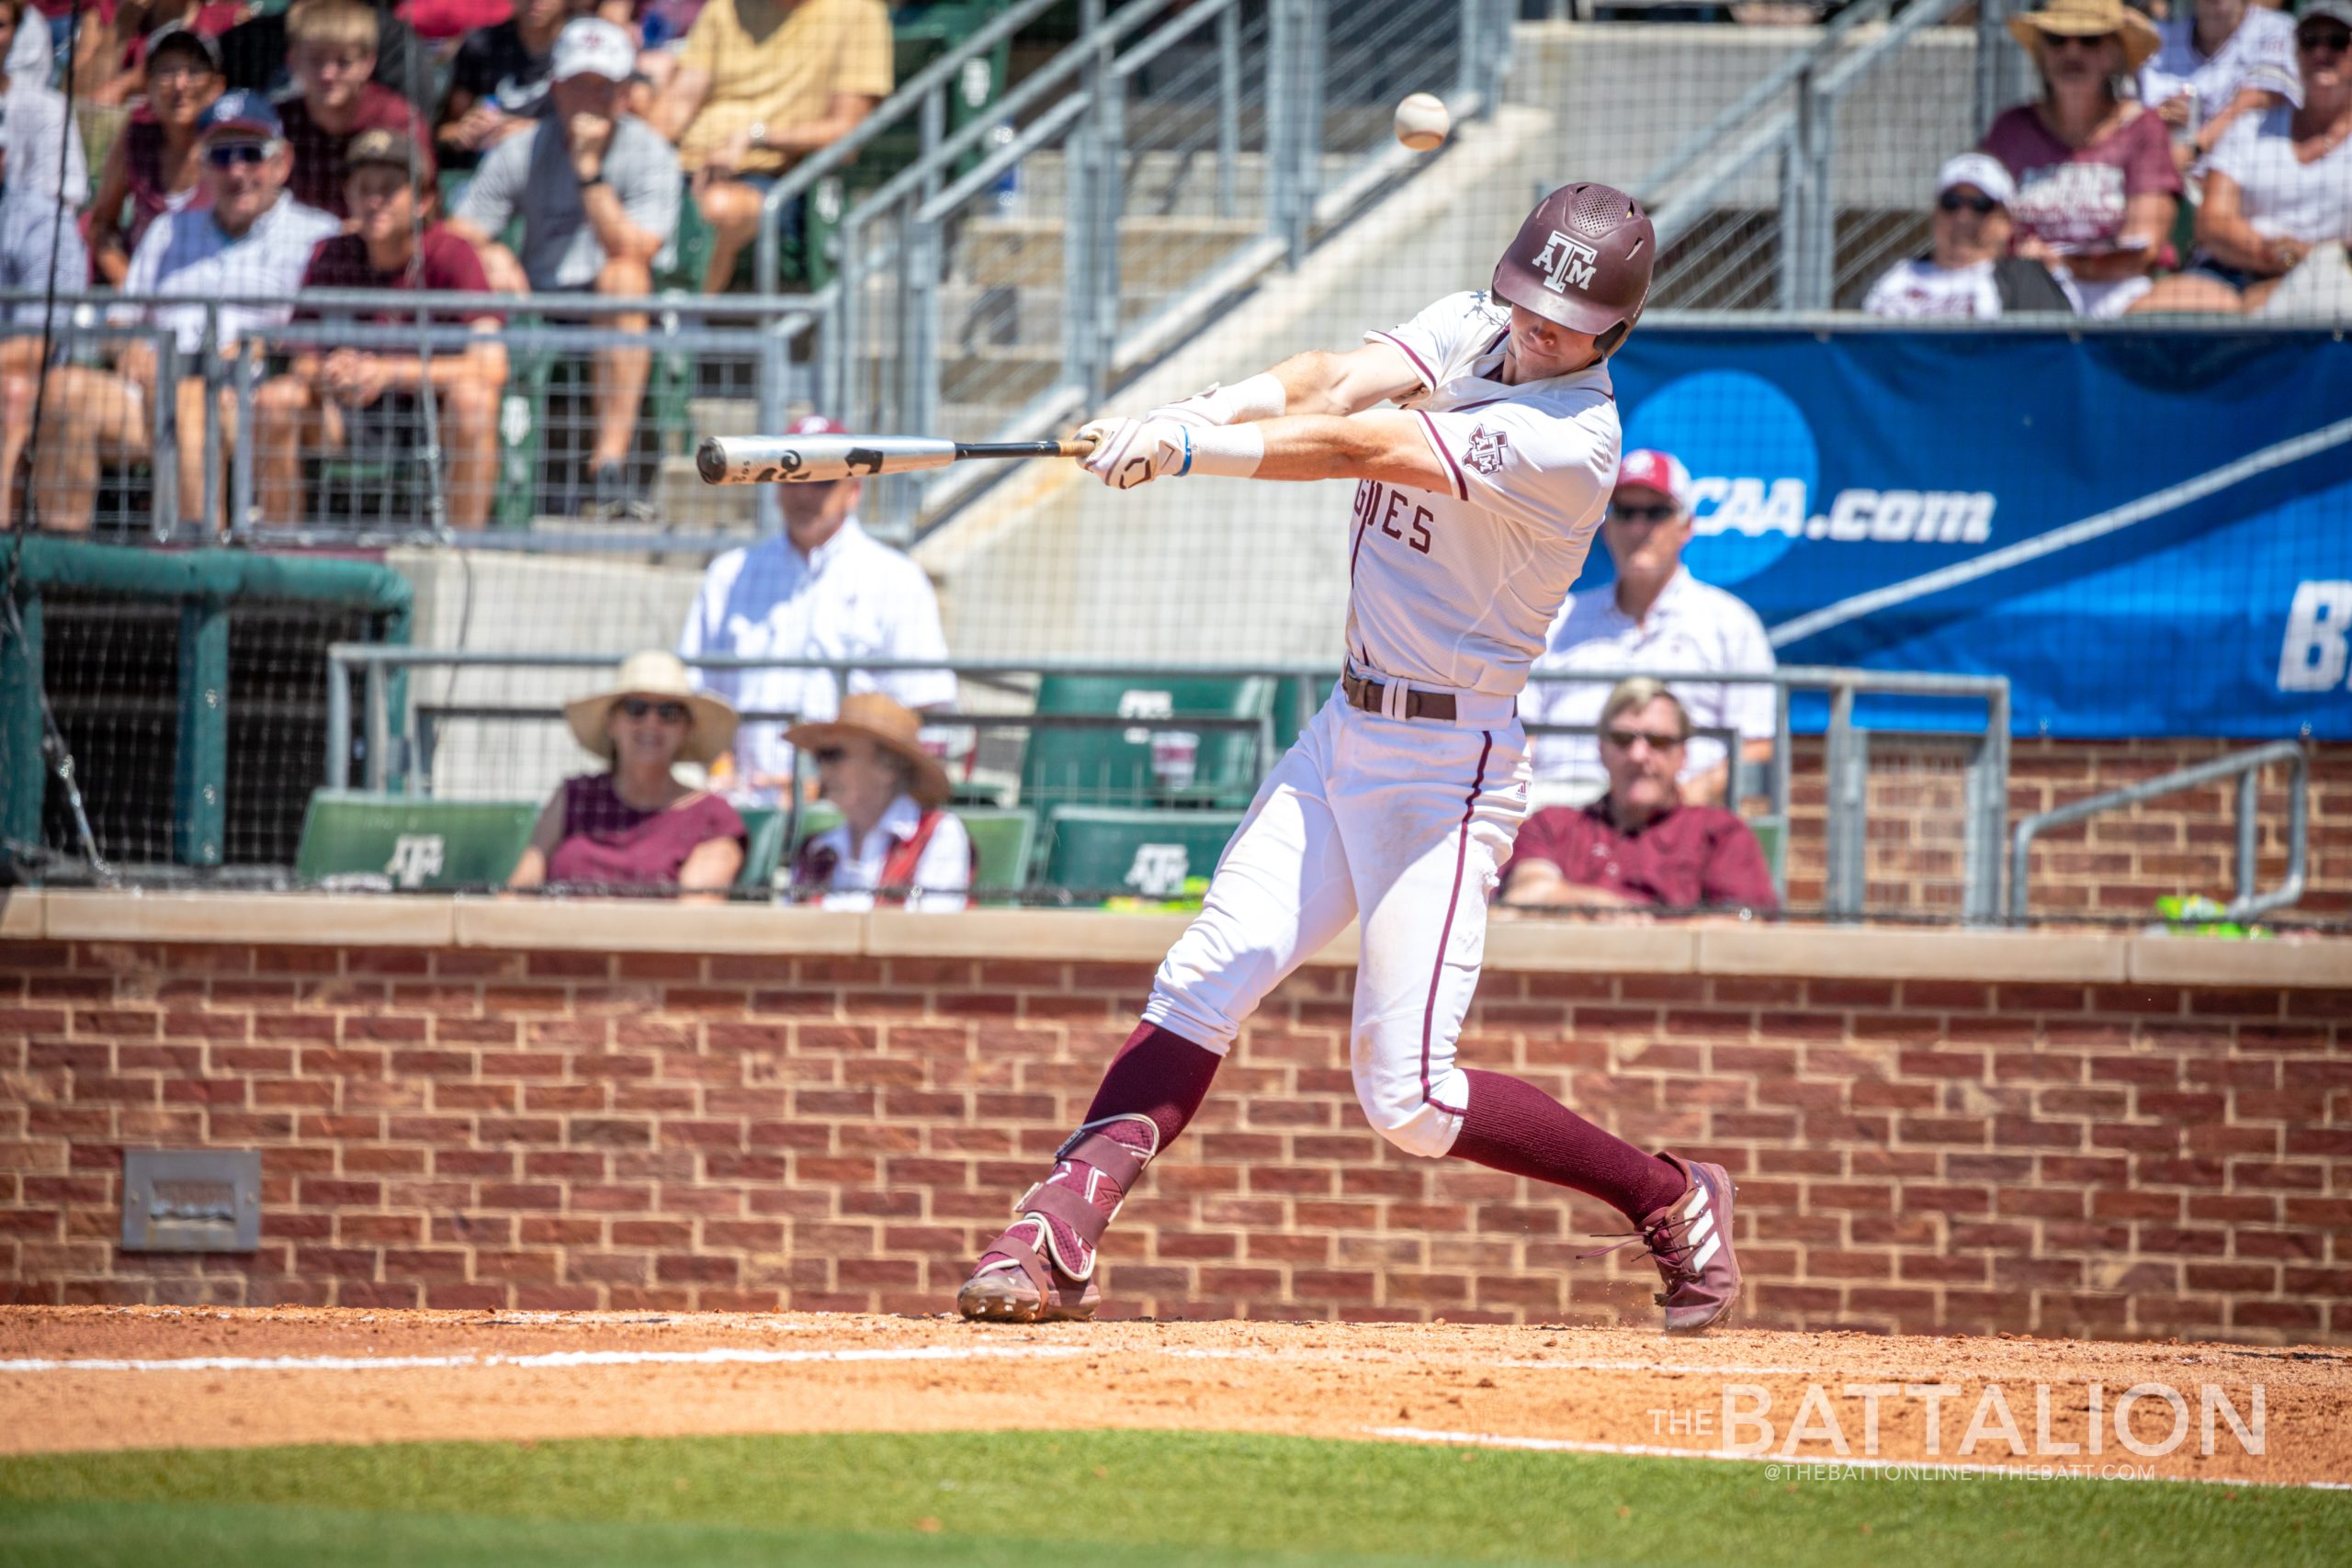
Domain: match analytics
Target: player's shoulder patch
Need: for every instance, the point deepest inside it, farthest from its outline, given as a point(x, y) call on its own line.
point(1485, 448)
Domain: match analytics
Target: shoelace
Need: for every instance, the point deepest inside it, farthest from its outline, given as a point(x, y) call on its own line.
point(1660, 1240)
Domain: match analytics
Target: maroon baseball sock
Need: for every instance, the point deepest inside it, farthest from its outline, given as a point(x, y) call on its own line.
point(1157, 1075)
point(1514, 1126)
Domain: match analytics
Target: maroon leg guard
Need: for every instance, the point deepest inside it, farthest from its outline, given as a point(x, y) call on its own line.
point(1042, 1265)
point(1510, 1125)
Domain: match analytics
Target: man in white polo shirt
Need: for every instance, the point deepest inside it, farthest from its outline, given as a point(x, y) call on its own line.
point(1655, 618)
point(826, 589)
point(246, 240)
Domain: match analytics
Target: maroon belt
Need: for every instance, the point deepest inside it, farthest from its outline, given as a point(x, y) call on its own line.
point(1368, 694)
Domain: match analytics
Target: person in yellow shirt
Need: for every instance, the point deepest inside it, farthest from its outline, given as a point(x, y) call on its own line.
point(760, 84)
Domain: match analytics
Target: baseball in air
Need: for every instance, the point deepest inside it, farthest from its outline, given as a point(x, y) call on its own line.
point(1421, 122)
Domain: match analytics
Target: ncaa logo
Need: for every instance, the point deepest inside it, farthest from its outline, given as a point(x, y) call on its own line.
point(1563, 261)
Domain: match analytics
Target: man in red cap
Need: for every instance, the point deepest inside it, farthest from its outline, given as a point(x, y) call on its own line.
point(1477, 499)
point(1655, 619)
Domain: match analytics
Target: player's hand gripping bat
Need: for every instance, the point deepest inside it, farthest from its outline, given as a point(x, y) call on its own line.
point(817, 459)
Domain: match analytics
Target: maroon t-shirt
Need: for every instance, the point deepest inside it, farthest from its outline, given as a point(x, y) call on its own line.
point(446, 265)
point(317, 179)
point(1694, 855)
point(609, 841)
point(2074, 198)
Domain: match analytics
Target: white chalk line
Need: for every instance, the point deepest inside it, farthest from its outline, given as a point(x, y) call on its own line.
point(721, 1356)
point(1650, 1450)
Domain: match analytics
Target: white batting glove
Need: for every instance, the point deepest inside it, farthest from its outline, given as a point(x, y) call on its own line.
point(1131, 452)
point(1201, 410)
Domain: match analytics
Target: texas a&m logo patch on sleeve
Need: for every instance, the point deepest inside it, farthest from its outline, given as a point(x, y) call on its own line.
point(1486, 452)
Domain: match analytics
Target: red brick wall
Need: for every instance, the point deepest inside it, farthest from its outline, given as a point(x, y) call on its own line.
point(2118, 864)
point(565, 1130)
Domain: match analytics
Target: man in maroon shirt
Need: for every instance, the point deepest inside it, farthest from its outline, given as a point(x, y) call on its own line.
point(1638, 845)
point(331, 50)
point(327, 400)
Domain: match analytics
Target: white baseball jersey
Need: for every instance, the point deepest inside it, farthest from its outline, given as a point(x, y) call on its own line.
point(1455, 588)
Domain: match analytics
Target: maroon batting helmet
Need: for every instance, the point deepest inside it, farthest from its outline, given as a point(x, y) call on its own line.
point(1582, 260)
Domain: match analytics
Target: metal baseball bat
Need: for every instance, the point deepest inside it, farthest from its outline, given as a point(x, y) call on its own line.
point(816, 459)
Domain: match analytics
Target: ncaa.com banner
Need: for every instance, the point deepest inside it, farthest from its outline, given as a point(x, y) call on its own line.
point(2148, 532)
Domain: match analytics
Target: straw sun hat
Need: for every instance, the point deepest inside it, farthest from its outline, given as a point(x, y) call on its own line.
point(889, 725)
point(710, 732)
point(2088, 18)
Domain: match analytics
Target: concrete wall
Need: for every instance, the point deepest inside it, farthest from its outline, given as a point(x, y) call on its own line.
point(480, 1104)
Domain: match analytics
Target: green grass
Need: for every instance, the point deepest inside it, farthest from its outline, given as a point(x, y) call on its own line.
point(1146, 1498)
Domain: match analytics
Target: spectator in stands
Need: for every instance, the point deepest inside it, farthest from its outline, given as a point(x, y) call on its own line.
point(825, 590)
point(2096, 188)
point(1654, 616)
point(40, 244)
point(2279, 191)
point(154, 166)
point(635, 824)
point(333, 50)
point(760, 84)
point(498, 85)
point(43, 148)
point(2224, 61)
point(32, 53)
point(248, 238)
point(257, 54)
point(1968, 272)
point(118, 39)
point(598, 193)
point(895, 839)
point(1643, 843)
point(324, 399)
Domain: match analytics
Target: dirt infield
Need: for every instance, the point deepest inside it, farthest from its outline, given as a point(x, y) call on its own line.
point(111, 1378)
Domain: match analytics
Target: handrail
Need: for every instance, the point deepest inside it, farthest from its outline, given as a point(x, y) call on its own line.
point(802, 177)
point(2246, 768)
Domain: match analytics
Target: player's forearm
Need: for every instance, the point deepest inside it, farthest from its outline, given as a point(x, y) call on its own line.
point(1385, 445)
point(1311, 383)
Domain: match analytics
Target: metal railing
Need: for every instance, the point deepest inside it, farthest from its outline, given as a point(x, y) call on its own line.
point(389, 751)
point(707, 351)
point(2246, 768)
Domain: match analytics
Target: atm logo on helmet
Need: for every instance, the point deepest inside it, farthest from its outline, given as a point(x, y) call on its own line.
point(1563, 261)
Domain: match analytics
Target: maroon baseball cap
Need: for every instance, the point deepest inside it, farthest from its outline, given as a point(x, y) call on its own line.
point(1644, 469)
point(816, 425)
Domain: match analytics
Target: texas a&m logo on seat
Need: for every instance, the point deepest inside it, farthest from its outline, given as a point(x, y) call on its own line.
point(1563, 262)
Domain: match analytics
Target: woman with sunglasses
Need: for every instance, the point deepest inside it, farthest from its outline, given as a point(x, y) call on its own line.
point(2096, 188)
point(2280, 183)
point(155, 165)
point(635, 825)
point(896, 842)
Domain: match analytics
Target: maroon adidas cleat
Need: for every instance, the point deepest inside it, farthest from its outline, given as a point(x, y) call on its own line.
point(1689, 1240)
point(1042, 1269)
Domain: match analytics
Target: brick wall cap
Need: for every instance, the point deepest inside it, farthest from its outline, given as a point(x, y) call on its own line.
point(1860, 952)
point(634, 925)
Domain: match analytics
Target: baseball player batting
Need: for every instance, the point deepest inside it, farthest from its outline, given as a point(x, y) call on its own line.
point(1477, 498)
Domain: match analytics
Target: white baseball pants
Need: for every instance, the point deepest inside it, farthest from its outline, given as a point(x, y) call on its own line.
point(1404, 822)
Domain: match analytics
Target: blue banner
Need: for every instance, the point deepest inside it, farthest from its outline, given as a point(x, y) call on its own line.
point(2149, 532)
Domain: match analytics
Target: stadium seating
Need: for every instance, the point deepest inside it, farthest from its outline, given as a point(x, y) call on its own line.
point(358, 839)
point(1151, 855)
point(1107, 762)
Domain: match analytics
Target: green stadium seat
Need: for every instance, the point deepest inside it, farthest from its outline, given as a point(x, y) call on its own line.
point(397, 841)
point(763, 848)
point(1772, 840)
point(1111, 764)
point(1149, 854)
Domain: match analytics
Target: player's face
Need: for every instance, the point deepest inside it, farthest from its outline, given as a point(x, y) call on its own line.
point(1539, 350)
point(1645, 532)
point(1641, 749)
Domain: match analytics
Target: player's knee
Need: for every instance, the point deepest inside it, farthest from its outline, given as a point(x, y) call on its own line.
point(1401, 1113)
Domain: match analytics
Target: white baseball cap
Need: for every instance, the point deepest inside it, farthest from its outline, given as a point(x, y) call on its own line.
point(590, 46)
point(1982, 170)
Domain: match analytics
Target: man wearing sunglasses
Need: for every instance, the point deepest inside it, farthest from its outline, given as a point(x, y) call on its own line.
point(1969, 273)
point(245, 239)
point(1639, 845)
point(1655, 616)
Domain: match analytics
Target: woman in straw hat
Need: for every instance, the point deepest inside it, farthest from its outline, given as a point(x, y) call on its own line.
point(2096, 188)
point(895, 840)
point(635, 824)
